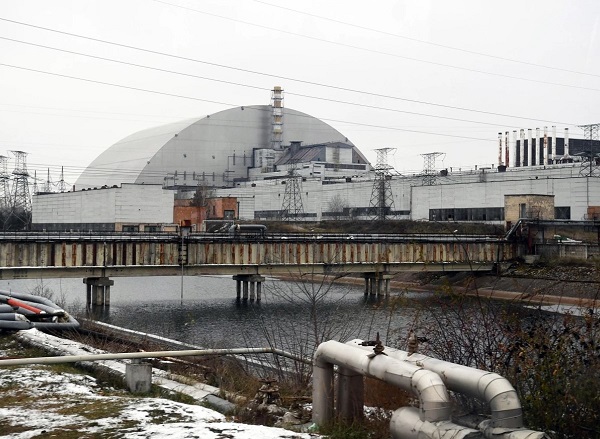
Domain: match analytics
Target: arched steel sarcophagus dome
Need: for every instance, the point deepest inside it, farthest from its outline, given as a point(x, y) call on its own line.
point(215, 150)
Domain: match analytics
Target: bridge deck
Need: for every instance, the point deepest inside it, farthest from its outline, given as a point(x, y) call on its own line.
point(101, 255)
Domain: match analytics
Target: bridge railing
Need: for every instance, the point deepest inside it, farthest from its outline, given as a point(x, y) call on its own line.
point(344, 237)
point(89, 235)
point(304, 237)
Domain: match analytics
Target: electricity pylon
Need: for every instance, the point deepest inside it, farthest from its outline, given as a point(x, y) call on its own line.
point(590, 167)
point(382, 200)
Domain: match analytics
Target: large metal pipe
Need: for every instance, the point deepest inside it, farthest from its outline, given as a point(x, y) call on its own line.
point(566, 153)
point(434, 401)
point(149, 354)
point(506, 421)
point(406, 424)
point(490, 432)
point(486, 386)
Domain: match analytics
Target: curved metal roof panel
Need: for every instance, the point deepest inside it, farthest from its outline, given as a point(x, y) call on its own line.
point(215, 149)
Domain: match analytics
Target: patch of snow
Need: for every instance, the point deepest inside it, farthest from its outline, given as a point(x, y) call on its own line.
point(46, 401)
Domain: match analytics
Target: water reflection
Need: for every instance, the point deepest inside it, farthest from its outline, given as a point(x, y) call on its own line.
point(210, 315)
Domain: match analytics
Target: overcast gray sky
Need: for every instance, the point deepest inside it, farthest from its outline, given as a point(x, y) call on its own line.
point(419, 76)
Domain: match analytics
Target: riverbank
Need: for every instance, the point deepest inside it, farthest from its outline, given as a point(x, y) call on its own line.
point(61, 401)
point(568, 285)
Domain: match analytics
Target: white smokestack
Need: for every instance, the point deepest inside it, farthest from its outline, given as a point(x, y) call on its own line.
point(277, 118)
point(545, 155)
point(506, 149)
point(538, 156)
point(566, 154)
point(529, 148)
point(553, 143)
point(499, 149)
point(513, 149)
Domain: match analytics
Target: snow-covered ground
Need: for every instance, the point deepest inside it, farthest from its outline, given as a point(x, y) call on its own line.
point(39, 400)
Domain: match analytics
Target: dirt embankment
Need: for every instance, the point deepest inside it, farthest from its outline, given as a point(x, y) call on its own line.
point(550, 285)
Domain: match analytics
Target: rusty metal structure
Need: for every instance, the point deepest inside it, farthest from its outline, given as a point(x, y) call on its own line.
point(36, 255)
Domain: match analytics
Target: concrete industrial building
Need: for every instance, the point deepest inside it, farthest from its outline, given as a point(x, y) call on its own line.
point(128, 207)
point(269, 158)
point(474, 195)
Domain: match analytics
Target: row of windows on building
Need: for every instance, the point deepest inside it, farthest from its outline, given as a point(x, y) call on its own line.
point(484, 214)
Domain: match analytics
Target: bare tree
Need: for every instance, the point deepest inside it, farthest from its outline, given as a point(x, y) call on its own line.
point(551, 359)
point(311, 308)
point(201, 196)
point(336, 206)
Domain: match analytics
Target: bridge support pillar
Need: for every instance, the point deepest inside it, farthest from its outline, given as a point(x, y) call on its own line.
point(377, 283)
point(248, 285)
point(369, 281)
point(97, 291)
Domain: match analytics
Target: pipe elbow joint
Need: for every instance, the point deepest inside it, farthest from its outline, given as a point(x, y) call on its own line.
point(503, 399)
point(433, 394)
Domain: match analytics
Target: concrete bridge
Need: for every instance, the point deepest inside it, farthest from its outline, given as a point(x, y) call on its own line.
point(248, 258)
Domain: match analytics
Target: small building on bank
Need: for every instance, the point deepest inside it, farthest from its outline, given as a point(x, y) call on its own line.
point(528, 206)
point(212, 212)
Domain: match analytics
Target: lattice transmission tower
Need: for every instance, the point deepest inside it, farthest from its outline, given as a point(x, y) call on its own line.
point(21, 206)
point(382, 200)
point(35, 183)
point(62, 185)
point(429, 174)
point(292, 208)
point(590, 166)
point(5, 198)
point(48, 186)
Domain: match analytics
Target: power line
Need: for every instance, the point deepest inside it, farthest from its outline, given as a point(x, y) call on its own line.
point(230, 104)
point(286, 78)
point(113, 113)
point(430, 43)
point(143, 66)
point(351, 46)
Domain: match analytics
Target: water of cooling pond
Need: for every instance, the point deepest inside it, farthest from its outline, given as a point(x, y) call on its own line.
point(209, 314)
